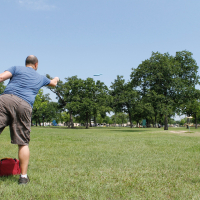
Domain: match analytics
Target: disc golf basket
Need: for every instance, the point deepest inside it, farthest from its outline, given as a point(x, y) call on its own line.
point(189, 124)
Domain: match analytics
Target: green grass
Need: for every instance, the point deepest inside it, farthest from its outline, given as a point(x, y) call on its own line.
point(107, 163)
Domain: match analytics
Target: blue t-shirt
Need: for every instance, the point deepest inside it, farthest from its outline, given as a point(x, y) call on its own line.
point(25, 83)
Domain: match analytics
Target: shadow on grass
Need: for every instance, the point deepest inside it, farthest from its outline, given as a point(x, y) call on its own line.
point(125, 129)
point(9, 179)
point(194, 181)
point(130, 130)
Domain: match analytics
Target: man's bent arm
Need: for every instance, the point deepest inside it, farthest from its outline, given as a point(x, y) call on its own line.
point(5, 75)
point(54, 82)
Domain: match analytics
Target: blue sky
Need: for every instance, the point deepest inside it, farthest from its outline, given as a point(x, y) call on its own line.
point(87, 37)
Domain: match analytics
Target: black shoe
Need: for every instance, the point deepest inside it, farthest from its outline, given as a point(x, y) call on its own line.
point(23, 181)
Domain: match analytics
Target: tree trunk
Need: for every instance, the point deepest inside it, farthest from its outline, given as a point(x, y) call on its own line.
point(87, 120)
point(71, 120)
point(95, 121)
point(130, 119)
point(155, 120)
point(166, 123)
point(152, 122)
point(188, 123)
point(39, 122)
point(147, 123)
point(195, 115)
point(115, 119)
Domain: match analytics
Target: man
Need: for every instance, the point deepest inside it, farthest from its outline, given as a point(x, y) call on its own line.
point(16, 106)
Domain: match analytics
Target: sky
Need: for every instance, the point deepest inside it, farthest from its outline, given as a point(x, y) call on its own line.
point(87, 37)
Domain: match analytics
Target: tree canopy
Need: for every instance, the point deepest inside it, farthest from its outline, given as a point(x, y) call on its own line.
point(166, 81)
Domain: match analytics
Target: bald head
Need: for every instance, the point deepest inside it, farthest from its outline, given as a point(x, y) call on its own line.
point(31, 60)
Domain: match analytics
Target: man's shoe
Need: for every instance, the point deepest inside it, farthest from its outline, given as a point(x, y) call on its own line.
point(23, 181)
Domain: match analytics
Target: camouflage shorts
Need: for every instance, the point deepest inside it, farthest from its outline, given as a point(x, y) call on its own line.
point(16, 113)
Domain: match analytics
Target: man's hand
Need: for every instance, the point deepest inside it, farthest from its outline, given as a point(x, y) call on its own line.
point(54, 82)
point(57, 78)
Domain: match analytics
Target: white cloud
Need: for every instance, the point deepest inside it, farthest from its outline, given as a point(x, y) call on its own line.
point(36, 4)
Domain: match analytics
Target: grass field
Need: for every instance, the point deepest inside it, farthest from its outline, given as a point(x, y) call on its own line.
point(107, 163)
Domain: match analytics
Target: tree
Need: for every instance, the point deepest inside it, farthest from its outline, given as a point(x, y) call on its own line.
point(39, 107)
point(2, 87)
point(66, 117)
point(64, 93)
point(99, 119)
point(192, 108)
point(123, 118)
point(82, 98)
point(182, 122)
point(124, 97)
point(119, 118)
point(107, 120)
point(92, 97)
point(164, 81)
point(51, 112)
point(187, 78)
point(102, 99)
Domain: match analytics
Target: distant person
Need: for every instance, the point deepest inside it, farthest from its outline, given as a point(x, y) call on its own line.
point(16, 104)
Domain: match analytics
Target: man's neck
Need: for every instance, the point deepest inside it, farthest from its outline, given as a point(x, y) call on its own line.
point(31, 66)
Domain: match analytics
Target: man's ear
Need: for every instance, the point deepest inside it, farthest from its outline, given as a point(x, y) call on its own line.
point(36, 66)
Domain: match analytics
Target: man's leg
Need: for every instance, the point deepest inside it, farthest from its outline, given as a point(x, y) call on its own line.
point(23, 155)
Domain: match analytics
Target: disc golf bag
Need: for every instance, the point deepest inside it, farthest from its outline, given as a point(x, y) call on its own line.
point(9, 166)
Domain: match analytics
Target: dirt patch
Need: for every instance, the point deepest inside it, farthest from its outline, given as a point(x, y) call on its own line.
point(178, 132)
point(186, 133)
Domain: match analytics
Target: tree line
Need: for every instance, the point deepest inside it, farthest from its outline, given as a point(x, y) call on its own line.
point(159, 88)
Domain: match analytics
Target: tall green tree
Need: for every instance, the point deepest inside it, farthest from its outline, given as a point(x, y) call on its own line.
point(102, 99)
point(92, 96)
point(164, 81)
point(86, 103)
point(82, 97)
point(124, 97)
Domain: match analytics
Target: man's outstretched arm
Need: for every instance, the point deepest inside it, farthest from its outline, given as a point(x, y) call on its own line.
point(54, 82)
point(5, 75)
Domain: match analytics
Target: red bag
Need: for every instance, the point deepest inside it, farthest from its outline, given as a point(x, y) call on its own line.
point(9, 166)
